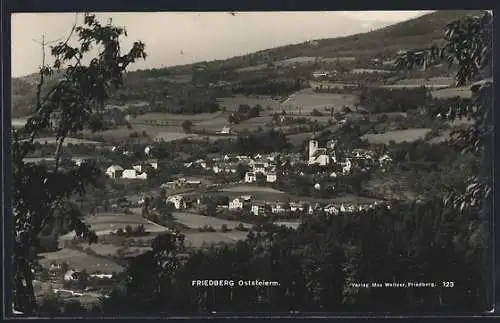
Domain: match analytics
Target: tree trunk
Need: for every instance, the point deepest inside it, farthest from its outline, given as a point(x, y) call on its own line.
point(24, 294)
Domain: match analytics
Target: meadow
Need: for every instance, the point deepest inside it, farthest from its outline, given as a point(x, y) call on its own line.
point(105, 223)
point(195, 221)
point(305, 101)
point(250, 188)
point(67, 141)
point(200, 239)
point(397, 136)
point(232, 103)
point(461, 92)
point(79, 261)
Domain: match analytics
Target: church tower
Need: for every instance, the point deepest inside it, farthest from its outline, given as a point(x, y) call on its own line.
point(313, 147)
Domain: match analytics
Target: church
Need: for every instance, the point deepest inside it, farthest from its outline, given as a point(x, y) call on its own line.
point(321, 156)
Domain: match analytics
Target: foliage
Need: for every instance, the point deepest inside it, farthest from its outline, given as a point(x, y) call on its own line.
point(69, 106)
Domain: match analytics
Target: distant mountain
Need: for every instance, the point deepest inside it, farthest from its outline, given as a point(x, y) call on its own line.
point(381, 42)
point(411, 34)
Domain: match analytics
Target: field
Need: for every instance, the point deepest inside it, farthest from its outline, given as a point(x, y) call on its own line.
point(232, 104)
point(307, 100)
point(250, 188)
point(252, 68)
point(67, 141)
point(171, 136)
point(195, 221)
point(433, 81)
point(198, 239)
point(398, 136)
point(462, 92)
point(253, 123)
point(174, 119)
point(289, 224)
point(105, 223)
point(331, 85)
point(298, 60)
point(79, 261)
point(268, 194)
point(368, 70)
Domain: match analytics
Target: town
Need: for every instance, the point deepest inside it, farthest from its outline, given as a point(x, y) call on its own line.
point(257, 167)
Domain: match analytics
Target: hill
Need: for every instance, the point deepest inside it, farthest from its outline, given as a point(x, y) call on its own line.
point(382, 43)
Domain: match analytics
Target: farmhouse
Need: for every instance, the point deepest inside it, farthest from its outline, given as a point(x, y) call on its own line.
point(331, 209)
point(259, 168)
point(70, 275)
point(178, 201)
point(295, 207)
point(225, 130)
point(278, 208)
point(134, 174)
point(114, 171)
point(250, 177)
point(236, 204)
point(258, 208)
point(271, 177)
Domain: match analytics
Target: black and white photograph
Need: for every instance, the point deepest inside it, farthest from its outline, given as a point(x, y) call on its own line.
point(179, 164)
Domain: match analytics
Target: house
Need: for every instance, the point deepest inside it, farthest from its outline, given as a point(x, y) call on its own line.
point(258, 208)
point(134, 174)
point(319, 74)
point(178, 201)
point(295, 207)
point(114, 171)
point(225, 130)
point(259, 168)
point(250, 177)
point(102, 276)
point(278, 208)
point(70, 275)
point(385, 159)
point(271, 177)
point(346, 166)
point(138, 168)
point(236, 204)
point(153, 163)
point(331, 209)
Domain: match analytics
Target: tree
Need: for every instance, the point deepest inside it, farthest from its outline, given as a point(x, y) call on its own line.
point(71, 104)
point(187, 126)
point(469, 44)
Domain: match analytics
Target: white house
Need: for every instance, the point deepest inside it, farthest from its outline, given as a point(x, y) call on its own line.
point(257, 208)
point(385, 159)
point(271, 177)
point(138, 168)
point(250, 177)
point(134, 174)
point(259, 168)
point(102, 276)
point(277, 208)
point(70, 275)
point(347, 166)
point(178, 201)
point(294, 207)
point(153, 163)
point(236, 204)
point(331, 209)
point(225, 130)
point(114, 171)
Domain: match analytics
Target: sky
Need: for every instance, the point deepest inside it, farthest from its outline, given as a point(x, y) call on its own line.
point(176, 38)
